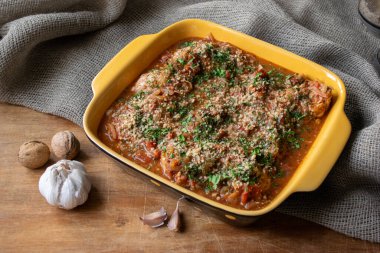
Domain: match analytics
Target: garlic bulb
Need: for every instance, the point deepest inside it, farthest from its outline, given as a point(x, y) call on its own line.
point(65, 184)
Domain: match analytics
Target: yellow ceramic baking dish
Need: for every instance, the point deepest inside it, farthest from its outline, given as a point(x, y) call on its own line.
point(133, 59)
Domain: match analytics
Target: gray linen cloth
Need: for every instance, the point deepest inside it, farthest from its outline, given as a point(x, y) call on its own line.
point(51, 50)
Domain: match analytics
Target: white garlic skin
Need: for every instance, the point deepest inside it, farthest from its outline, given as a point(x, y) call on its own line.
point(65, 184)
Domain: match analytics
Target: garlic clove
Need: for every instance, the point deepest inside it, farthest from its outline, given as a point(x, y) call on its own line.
point(174, 223)
point(155, 219)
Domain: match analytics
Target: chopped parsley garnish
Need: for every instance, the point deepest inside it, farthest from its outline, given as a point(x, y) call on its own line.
point(183, 111)
point(288, 77)
point(171, 68)
point(181, 61)
point(219, 72)
point(256, 151)
point(220, 56)
point(297, 115)
point(245, 145)
point(214, 180)
point(242, 173)
point(139, 95)
point(181, 139)
point(186, 120)
point(292, 138)
point(207, 128)
point(155, 133)
point(257, 78)
point(192, 171)
point(265, 160)
point(187, 44)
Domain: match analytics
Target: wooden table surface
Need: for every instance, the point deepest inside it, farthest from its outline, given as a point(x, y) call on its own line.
point(108, 221)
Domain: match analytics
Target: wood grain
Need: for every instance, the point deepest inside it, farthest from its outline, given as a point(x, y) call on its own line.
point(108, 221)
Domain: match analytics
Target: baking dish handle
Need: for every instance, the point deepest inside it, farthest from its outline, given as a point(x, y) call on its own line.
point(320, 168)
point(105, 76)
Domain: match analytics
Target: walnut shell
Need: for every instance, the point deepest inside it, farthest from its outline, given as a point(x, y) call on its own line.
point(33, 154)
point(65, 145)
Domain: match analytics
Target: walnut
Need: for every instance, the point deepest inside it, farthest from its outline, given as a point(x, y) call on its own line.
point(33, 154)
point(65, 145)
